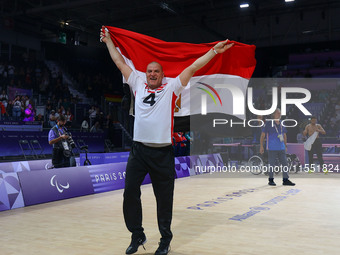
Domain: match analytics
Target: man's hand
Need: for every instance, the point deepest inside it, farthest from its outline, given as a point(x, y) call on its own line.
point(261, 150)
point(64, 136)
point(105, 35)
point(115, 55)
point(188, 72)
point(319, 128)
point(223, 46)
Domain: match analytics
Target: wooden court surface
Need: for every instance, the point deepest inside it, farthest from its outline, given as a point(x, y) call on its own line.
point(304, 219)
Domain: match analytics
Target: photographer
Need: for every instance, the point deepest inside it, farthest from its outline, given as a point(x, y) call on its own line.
point(62, 144)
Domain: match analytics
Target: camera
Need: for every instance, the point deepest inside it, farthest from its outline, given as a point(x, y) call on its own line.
point(70, 140)
point(68, 145)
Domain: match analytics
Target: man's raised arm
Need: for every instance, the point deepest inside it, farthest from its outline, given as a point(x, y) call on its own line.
point(115, 55)
point(188, 72)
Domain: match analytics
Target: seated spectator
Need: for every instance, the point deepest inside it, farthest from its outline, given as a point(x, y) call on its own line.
point(84, 126)
point(29, 113)
point(53, 118)
point(4, 98)
point(61, 110)
point(9, 110)
point(17, 108)
point(92, 114)
point(96, 128)
point(69, 118)
point(39, 118)
point(180, 143)
point(2, 111)
point(300, 137)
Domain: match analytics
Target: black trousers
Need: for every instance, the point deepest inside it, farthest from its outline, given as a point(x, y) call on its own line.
point(58, 158)
point(316, 149)
point(160, 164)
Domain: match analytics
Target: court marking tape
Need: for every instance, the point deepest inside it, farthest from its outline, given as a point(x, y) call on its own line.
point(222, 199)
point(264, 206)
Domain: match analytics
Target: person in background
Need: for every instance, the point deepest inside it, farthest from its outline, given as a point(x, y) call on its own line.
point(96, 128)
point(2, 111)
point(39, 118)
point(57, 137)
point(4, 98)
point(317, 145)
point(300, 137)
point(276, 146)
point(53, 118)
point(9, 110)
point(29, 113)
point(69, 118)
point(84, 126)
point(17, 105)
point(92, 115)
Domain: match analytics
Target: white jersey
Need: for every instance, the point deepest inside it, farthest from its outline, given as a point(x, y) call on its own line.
point(154, 109)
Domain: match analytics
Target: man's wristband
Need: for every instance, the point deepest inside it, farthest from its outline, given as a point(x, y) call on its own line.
point(214, 51)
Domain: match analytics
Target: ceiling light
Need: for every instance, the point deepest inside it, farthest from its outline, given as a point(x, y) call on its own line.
point(287, 1)
point(244, 5)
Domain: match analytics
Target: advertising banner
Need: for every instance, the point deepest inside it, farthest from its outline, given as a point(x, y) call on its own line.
point(194, 161)
point(182, 166)
point(56, 184)
point(108, 177)
point(33, 165)
point(10, 192)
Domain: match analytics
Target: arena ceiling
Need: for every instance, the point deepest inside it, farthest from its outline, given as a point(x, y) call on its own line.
point(46, 18)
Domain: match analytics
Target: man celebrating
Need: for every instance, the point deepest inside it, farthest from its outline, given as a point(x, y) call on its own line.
point(276, 146)
point(316, 145)
point(152, 151)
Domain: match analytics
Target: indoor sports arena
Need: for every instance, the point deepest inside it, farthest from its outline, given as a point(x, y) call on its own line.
point(174, 127)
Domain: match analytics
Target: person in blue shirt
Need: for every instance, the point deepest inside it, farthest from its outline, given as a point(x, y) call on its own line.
point(57, 137)
point(275, 134)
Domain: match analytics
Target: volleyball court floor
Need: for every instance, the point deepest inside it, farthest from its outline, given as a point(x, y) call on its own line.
point(212, 215)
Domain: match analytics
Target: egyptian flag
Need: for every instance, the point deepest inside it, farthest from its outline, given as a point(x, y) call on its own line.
point(233, 68)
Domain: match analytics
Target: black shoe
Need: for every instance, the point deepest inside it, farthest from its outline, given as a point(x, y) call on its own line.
point(288, 183)
point(135, 243)
point(163, 248)
point(271, 182)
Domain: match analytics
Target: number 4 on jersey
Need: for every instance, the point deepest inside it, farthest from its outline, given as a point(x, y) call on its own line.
point(150, 99)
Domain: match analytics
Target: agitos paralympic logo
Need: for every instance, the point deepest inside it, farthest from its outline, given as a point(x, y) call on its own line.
point(239, 101)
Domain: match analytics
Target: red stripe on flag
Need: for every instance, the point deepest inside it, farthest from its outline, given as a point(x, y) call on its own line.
point(173, 104)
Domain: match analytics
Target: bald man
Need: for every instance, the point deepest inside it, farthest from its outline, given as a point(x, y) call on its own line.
point(152, 150)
